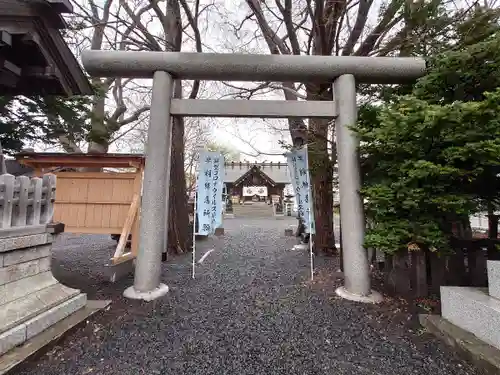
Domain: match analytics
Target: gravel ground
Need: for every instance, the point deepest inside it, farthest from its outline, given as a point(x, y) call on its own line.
point(251, 310)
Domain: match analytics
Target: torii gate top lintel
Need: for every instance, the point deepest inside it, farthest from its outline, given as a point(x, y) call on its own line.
point(253, 67)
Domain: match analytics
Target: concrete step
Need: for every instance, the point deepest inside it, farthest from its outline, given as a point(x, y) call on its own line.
point(253, 210)
point(473, 310)
point(253, 214)
point(20, 310)
point(44, 340)
point(494, 278)
point(253, 206)
point(37, 324)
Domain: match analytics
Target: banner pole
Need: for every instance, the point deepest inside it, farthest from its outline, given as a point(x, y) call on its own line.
point(311, 250)
point(195, 214)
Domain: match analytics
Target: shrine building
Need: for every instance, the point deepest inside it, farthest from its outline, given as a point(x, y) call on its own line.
point(255, 182)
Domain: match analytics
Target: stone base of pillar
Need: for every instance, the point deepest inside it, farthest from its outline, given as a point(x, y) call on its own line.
point(373, 297)
point(31, 299)
point(160, 291)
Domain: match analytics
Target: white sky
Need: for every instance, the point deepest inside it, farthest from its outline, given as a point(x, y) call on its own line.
point(250, 136)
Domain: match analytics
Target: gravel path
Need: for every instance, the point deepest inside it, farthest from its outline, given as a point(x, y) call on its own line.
point(250, 310)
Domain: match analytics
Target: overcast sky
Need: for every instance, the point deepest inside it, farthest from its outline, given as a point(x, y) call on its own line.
point(250, 136)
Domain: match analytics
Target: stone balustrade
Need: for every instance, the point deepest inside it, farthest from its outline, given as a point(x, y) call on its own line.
point(31, 299)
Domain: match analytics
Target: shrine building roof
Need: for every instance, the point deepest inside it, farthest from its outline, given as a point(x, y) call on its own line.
point(34, 58)
point(277, 172)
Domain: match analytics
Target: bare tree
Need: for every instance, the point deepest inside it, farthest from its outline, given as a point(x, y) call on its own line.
point(127, 25)
point(98, 27)
point(333, 27)
point(196, 135)
point(148, 25)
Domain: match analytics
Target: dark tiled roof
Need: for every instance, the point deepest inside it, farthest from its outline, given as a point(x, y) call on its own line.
point(17, 169)
point(278, 172)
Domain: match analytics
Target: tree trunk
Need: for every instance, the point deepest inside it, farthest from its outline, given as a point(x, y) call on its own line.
point(98, 136)
point(178, 231)
point(321, 176)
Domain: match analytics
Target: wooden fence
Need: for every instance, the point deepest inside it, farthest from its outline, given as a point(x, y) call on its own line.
point(26, 201)
point(421, 273)
point(101, 203)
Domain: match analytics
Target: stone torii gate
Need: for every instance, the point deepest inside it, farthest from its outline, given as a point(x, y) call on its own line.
point(165, 67)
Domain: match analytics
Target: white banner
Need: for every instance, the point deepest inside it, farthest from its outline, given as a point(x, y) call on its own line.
point(250, 191)
point(299, 175)
point(209, 192)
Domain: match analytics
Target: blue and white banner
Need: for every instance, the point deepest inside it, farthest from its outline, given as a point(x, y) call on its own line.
point(298, 166)
point(209, 192)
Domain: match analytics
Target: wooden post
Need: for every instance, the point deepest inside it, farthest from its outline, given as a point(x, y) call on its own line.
point(419, 274)
point(476, 264)
point(438, 272)
point(127, 227)
point(134, 246)
point(7, 182)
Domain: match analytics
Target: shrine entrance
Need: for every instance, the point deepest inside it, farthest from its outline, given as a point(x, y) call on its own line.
point(164, 67)
point(255, 189)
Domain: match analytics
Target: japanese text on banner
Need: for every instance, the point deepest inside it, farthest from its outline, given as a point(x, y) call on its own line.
point(209, 192)
point(299, 173)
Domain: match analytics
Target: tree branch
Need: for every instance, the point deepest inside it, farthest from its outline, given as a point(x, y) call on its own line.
point(286, 11)
point(363, 10)
point(193, 22)
point(367, 45)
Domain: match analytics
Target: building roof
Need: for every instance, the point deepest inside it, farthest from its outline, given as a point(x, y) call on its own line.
point(17, 169)
point(79, 160)
point(278, 172)
point(34, 58)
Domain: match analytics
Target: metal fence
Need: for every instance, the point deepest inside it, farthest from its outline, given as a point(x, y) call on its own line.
point(26, 201)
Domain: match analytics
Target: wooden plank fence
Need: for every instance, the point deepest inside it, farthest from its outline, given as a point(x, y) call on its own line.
point(25, 201)
point(421, 273)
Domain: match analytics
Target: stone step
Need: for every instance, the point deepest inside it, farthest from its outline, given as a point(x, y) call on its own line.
point(256, 210)
point(20, 310)
point(494, 278)
point(255, 214)
point(253, 208)
point(253, 211)
point(23, 287)
point(473, 310)
point(30, 328)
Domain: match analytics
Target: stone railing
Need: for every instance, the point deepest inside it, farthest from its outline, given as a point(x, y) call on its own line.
point(25, 202)
point(31, 299)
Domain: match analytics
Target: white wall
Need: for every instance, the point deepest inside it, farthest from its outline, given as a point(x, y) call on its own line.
point(479, 221)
